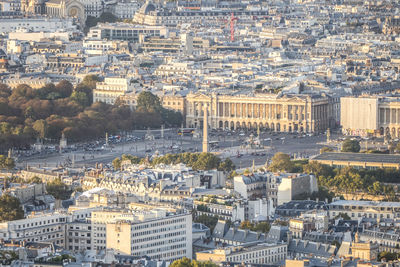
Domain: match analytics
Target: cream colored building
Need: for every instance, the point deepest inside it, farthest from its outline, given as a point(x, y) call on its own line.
point(370, 115)
point(48, 228)
point(287, 113)
point(357, 209)
point(99, 221)
point(111, 89)
point(268, 254)
point(27, 192)
point(66, 9)
point(364, 250)
point(174, 102)
point(154, 233)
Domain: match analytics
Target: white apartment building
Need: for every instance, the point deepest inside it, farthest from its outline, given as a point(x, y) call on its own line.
point(99, 221)
point(279, 187)
point(93, 8)
point(36, 24)
point(357, 209)
point(10, 6)
point(98, 47)
point(265, 253)
point(156, 234)
point(38, 228)
point(78, 236)
point(125, 10)
point(111, 89)
point(153, 233)
point(293, 184)
point(178, 68)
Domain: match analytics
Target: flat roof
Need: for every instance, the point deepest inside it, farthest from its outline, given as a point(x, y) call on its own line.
point(359, 157)
point(365, 203)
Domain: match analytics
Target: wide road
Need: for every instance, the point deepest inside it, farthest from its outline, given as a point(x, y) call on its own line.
point(172, 143)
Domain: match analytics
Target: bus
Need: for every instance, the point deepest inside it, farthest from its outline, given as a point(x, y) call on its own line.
point(186, 131)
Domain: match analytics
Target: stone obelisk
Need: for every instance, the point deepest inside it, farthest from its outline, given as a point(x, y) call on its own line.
point(205, 130)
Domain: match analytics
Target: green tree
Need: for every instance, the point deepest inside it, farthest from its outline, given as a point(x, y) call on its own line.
point(64, 88)
point(351, 146)
point(107, 17)
point(185, 262)
point(262, 227)
point(344, 216)
point(41, 127)
point(10, 208)
point(387, 256)
point(147, 102)
point(90, 81)
point(206, 161)
point(281, 162)
point(202, 207)
point(376, 188)
point(6, 162)
point(226, 165)
point(246, 225)
point(80, 98)
point(116, 164)
point(58, 189)
point(34, 180)
point(132, 159)
point(209, 221)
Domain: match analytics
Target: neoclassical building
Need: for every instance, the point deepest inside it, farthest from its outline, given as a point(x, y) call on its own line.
point(66, 9)
point(380, 116)
point(281, 113)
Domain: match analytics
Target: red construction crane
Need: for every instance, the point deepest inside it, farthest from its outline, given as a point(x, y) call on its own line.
point(233, 19)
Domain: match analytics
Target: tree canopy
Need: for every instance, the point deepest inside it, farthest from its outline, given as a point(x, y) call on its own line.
point(281, 162)
point(351, 146)
point(53, 110)
point(10, 208)
point(6, 162)
point(262, 227)
point(58, 189)
point(185, 262)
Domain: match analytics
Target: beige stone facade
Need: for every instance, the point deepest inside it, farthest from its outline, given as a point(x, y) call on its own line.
point(288, 113)
point(370, 115)
point(174, 102)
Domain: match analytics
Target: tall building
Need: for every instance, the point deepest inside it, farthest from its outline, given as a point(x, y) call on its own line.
point(155, 234)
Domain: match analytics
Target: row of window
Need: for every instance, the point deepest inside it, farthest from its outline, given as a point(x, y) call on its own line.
point(38, 232)
point(45, 222)
point(365, 215)
point(267, 260)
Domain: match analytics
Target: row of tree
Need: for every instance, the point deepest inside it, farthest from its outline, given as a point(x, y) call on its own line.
point(185, 262)
point(197, 161)
point(53, 110)
point(262, 227)
point(341, 180)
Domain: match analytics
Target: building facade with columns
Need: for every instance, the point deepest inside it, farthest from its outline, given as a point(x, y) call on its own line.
point(380, 116)
point(281, 113)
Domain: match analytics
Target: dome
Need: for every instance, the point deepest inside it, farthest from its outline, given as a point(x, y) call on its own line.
point(147, 8)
